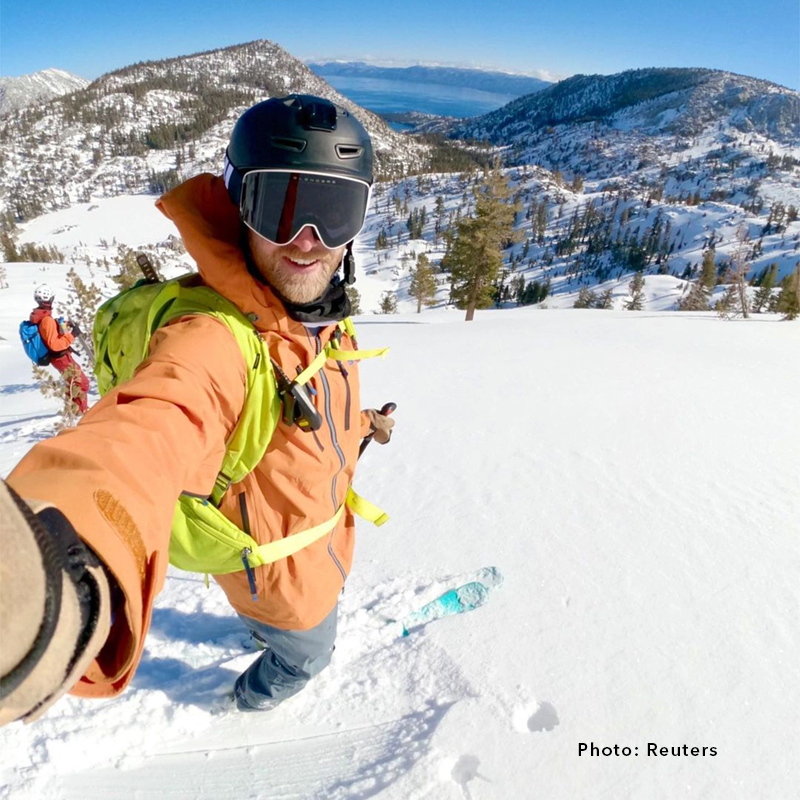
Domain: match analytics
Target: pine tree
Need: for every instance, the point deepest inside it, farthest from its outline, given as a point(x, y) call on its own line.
point(476, 256)
point(388, 303)
point(789, 298)
point(81, 306)
point(696, 300)
point(708, 271)
point(606, 300)
point(129, 270)
point(10, 252)
point(438, 224)
point(541, 222)
point(636, 290)
point(354, 297)
point(586, 298)
point(764, 292)
point(423, 283)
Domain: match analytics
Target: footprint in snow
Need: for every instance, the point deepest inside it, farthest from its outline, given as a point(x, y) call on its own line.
point(535, 717)
point(464, 771)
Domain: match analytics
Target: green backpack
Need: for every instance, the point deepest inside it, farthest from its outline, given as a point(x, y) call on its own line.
point(203, 539)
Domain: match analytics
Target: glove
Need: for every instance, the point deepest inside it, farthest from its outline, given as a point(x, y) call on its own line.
point(76, 330)
point(380, 424)
point(54, 607)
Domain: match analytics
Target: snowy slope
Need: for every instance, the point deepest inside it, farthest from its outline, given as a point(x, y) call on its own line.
point(633, 475)
point(38, 87)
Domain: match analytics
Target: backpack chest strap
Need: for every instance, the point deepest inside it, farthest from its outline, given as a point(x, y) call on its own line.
point(283, 548)
point(333, 352)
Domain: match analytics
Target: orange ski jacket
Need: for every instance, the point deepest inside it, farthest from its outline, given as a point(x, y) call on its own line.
point(117, 475)
point(54, 340)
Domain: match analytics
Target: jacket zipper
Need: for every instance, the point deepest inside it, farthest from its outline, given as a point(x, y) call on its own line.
point(345, 373)
point(251, 575)
point(243, 512)
point(329, 417)
point(251, 578)
point(347, 396)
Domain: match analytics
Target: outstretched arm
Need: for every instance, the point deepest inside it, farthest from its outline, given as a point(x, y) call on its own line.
point(117, 475)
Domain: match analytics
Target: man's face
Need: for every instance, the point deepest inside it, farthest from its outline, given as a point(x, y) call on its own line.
point(301, 270)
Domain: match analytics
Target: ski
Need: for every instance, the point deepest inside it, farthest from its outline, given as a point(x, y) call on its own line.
point(86, 346)
point(458, 600)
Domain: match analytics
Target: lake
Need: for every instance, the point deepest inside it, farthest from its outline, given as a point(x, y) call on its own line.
point(384, 96)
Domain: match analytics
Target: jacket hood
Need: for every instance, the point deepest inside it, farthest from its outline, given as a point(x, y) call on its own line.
point(39, 313)
point(208, 223)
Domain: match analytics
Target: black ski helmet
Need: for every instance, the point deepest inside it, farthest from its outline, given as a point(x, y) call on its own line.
point(298, 132)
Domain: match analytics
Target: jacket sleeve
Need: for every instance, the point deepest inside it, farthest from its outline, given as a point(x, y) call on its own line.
point(117, 475)
point(54, 340)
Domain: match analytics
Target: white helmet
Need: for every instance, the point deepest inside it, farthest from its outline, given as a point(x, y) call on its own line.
point(44, 294)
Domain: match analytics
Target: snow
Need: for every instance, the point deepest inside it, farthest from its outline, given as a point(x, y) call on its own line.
point(634, 478)
point(133, 219)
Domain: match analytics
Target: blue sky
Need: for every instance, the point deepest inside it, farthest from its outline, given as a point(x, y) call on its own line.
point(89, 37)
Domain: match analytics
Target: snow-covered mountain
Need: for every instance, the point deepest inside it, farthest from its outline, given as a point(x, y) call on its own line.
point(38, 87)
point(644, 170)
point(681, 102)
point(679, 130)
point(485, 80)
point(145, 126)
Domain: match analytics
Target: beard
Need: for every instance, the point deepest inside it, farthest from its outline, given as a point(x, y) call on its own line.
point(299, 281)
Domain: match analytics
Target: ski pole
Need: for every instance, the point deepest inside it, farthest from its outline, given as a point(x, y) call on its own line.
point(385, 411)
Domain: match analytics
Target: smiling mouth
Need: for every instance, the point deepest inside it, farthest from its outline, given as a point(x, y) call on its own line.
point(303, 263)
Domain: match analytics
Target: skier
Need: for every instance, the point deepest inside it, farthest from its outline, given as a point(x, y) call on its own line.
point(85, 553)
point(58, 340)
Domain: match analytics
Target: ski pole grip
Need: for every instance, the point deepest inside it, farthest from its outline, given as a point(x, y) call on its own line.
point(385, 411)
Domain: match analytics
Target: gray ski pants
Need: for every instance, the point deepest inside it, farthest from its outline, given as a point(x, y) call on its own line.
point(290, 660)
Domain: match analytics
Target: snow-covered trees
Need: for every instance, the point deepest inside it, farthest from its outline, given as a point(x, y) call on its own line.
point(735, 300)
point(636, 289)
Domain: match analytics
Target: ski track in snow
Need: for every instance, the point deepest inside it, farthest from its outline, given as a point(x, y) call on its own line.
point(202, 734)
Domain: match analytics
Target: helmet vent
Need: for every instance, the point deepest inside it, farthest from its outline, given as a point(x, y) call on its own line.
point(348, 150)
point(296, 145)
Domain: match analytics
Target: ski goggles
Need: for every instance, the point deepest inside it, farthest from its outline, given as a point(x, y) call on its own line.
point(278, 204)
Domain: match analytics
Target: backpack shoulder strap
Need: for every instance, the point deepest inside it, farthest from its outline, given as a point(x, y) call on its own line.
point(122, 332)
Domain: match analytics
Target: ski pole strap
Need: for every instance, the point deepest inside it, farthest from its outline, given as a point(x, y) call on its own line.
point(283, 548)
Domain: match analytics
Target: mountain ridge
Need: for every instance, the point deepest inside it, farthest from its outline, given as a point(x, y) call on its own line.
point(596, 98)
point(484, 80)
point(17, 93)
point(146, 126)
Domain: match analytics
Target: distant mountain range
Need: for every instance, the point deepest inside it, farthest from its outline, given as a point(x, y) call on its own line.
point(684, 130)
point(39, 87)
point(676, 133)
point(149, 125)
point(660, 162)
point(683, 102)
point(487, 81)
